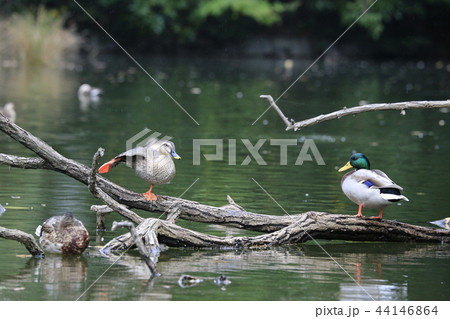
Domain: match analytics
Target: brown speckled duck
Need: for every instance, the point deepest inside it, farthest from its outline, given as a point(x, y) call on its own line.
point(152, 162)
point(367, 187)
point(63, 235)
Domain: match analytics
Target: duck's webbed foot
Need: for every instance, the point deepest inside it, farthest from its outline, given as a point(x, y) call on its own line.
point(149, 195)
point(380, 215)
point(359, 211)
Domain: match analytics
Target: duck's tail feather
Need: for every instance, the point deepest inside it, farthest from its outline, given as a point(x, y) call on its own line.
point(105, 167)
point(392, 194)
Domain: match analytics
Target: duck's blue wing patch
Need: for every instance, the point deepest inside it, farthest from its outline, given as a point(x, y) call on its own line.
point(368, 183)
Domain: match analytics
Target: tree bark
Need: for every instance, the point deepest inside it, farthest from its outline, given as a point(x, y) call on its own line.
point(280, 230)
point(308, 226)
point(26, 239)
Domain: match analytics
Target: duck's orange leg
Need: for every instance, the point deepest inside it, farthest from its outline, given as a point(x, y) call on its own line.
point(380, 215)
point(359, 211)
point(149, 195)
point(105, 167)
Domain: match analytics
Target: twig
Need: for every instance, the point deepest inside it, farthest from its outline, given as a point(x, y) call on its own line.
point(139, 244)
point(232, 205)
point(100, 194)
point(173, 214)
point(93, 175)
point(402, 106)
point(23, 162)
point(124, 211)
point(275, 106)
point(26, 239)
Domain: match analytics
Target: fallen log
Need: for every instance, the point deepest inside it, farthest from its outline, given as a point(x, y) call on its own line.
point(280, 230)
point(308, 226)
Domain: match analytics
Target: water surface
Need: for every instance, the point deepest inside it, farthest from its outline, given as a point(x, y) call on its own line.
point(223, 98)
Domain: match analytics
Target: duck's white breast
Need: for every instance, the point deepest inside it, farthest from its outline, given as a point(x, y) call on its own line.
point(359, 193)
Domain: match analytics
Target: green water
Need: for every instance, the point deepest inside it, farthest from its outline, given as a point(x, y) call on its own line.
point(222, 96)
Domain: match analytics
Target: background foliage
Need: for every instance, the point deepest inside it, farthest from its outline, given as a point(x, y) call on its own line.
point(391, 28)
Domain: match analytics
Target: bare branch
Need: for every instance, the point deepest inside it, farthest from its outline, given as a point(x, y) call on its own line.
point(402, 106)
point(275, 106)
point(137, 240)
point(232, 205)
point(26, 239)
point(100, 194)
point(93, 175)
point(174, 214)
point(23, 162)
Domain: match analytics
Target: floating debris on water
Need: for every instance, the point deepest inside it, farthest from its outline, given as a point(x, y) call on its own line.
point(188, 281)
point(23, 256)
point(321, 138)
point(222, 281)
point(443, 223)
point(421, 134)
point(196, 91)
point(105, 251)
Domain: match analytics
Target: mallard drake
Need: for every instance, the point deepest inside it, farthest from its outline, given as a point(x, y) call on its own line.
point(367, 187)
point(443, 223)
point(9, 111)
point(63, 234)
point(152, 162)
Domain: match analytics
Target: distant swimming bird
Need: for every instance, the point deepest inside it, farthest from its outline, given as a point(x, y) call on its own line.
point(9, 111)
point(443, 223)
point(89, 91)
point(369, 188)
point(222, 281)
point(88, 94)
point(152, 162)
point(63, 235)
